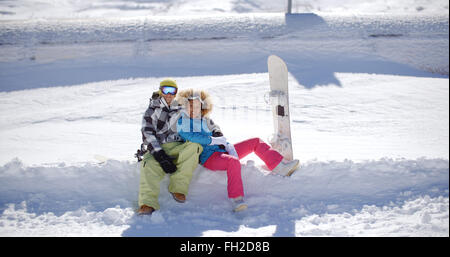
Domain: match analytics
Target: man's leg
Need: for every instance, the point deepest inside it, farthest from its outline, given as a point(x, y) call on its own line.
point(151, 176)
point(187, 155)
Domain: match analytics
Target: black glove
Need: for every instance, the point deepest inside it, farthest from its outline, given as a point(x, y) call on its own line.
point(165, 161)
point(217, 134)
point(140, 152)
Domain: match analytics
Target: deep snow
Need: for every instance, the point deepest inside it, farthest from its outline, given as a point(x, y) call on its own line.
point(373, 198)
point(370, 116)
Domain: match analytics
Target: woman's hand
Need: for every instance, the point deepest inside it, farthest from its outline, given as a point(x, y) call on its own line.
point(218, 141)
point(231, 150)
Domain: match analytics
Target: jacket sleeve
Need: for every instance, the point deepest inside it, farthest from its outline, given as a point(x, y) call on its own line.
point(187, 135)
point(214, 128)
point(149, 132)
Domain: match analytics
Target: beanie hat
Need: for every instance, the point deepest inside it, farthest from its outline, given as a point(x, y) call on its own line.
point(168, 82)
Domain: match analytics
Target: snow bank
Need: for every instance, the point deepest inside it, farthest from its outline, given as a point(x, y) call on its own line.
point(17, 221)
point(100, 199)
point(60, 188)
point(257, 25)
point(424, 216)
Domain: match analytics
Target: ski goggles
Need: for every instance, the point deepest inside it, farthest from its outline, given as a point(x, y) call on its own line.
point(195, 97)
point(168, 90)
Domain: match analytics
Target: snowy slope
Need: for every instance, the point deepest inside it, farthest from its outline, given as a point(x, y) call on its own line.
point(370, 116)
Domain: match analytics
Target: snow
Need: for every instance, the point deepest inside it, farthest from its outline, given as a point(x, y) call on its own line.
point(423, 214)
point(335, 198)
point(369, 101)
point(62, 9)
point(402, 117)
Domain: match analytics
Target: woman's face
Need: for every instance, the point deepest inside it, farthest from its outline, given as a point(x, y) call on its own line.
point(194, 108)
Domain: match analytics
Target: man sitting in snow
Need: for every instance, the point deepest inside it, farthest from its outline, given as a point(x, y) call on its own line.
point(167, 153)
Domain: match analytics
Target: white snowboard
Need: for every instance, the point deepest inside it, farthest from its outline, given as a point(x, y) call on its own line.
point(279, 99)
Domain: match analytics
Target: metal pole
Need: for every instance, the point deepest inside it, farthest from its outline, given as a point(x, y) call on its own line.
point(289, 7)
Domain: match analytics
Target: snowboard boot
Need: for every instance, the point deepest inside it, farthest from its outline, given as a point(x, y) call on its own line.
point(286, 168)
point(238, 204)
point(181, 198)
point(145, 210)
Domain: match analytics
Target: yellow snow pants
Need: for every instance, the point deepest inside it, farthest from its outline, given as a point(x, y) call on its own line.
point(186, 156)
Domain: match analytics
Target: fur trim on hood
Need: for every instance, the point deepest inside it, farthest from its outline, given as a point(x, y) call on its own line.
point(184, 95)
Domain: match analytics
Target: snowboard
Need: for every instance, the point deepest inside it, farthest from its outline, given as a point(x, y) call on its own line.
point(279, 100)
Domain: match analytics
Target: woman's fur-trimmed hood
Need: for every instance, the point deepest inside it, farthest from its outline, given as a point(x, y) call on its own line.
point(184, 95)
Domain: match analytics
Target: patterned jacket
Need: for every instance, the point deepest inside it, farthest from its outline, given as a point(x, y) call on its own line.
point(159, 124)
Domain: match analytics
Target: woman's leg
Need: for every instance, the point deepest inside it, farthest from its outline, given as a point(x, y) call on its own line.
point(255, 145)
point(223, 161)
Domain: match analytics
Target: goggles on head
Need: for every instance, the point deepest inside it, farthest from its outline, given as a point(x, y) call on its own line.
point(168, 90)
point(195, 97)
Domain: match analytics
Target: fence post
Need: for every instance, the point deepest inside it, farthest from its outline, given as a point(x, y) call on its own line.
point(289, 7)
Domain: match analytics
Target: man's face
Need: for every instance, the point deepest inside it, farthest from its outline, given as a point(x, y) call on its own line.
point(169, 98)
point(168, 93)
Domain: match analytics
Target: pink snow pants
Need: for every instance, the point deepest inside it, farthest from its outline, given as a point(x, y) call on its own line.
point(224, 161)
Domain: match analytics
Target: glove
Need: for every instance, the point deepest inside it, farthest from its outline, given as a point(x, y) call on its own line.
point(218, 141)
point(140, 152)
point(231, 150)
point(217, 134)
point(165, 161)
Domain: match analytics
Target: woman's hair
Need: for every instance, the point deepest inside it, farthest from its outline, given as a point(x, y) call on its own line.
point(184, 96)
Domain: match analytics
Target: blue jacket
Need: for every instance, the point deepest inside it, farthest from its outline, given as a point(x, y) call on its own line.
point(199, 131)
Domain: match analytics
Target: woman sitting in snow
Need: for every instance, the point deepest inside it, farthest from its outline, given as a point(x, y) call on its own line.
point(194, 125)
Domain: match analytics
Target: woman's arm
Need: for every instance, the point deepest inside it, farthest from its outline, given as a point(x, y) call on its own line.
point(214, 128)
point(196, 137)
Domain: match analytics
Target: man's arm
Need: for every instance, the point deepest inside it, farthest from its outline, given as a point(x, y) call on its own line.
point(153, 146)
point(149, 132)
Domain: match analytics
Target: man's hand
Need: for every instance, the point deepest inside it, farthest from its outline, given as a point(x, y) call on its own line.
point(165, 161)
